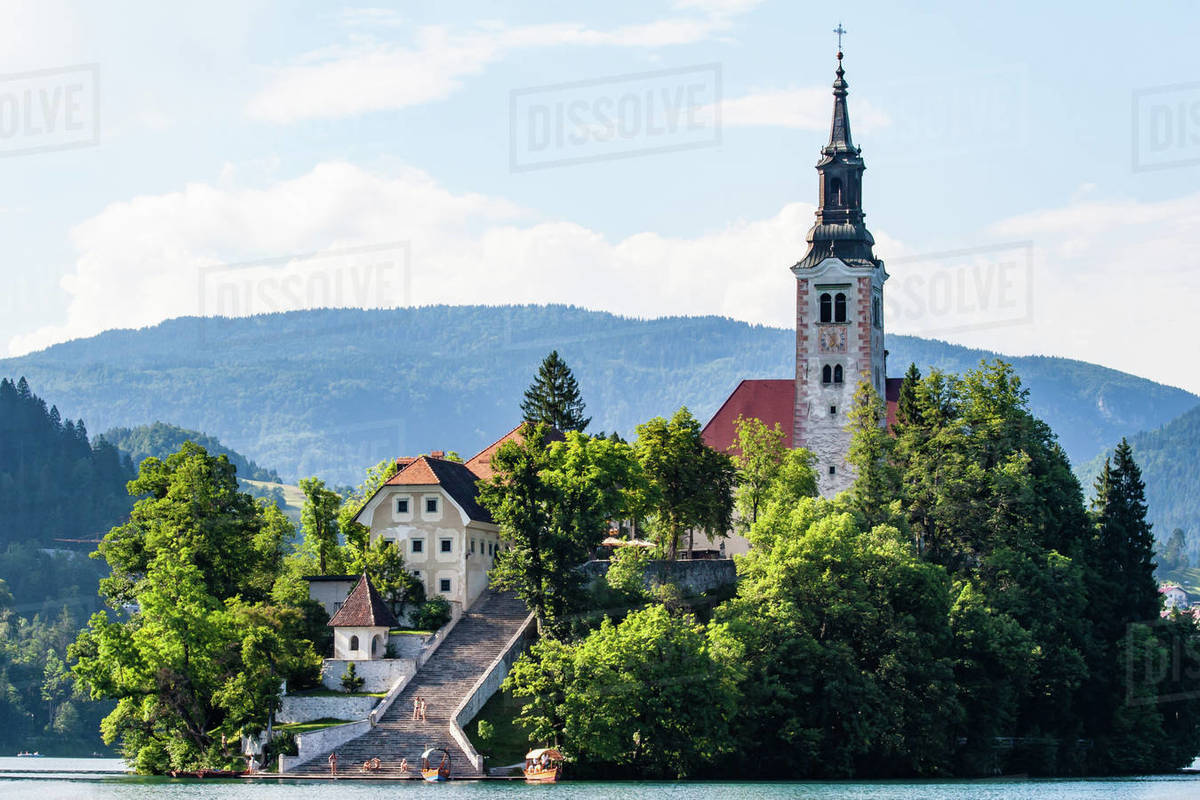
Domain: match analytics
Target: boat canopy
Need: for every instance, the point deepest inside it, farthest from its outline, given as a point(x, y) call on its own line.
point(548, 752)
point(432, 750)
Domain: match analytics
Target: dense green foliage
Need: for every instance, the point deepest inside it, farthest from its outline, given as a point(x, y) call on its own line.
point(553, 399)
point(204, 649)
point(160, 440)
point(1167, 457)
point(328, 392)
point(957, 612)
point(689, 485)
point(553, 501)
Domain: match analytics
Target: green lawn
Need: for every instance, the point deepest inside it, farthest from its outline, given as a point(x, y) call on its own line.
point(315, 725)
point(1189, 579)
point(406, 632)
point(510, 742)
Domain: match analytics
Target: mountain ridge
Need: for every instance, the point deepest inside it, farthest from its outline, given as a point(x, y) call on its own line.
point(330, 391)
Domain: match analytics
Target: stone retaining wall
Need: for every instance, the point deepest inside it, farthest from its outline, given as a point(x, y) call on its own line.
point(692, 577)
point(314, 743)
point(378, 676)
point(306, 708)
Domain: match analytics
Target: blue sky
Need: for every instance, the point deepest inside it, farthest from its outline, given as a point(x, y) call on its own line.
point(1003, 168)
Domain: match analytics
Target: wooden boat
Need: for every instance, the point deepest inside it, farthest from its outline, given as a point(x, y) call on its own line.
point(206, 773)
point(439, 773)
point(543, 765)
point(28, 754)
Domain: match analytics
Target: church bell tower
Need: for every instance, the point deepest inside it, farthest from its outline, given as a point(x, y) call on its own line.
point(839, 305)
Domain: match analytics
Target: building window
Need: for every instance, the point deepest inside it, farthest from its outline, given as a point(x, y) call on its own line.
point(446, 545)
point(826, 374)
point(839, 307)
point(826, 308)
point(374, 645)
point(337, 606)
point(837, 374)
point(389, 541)
point(353, 642)
point(430, 505)
point(835, 191)
point(416, 573)
point(401, 505)
point(472, 545)
point(877, 386)
point(833, 411)
point(444, 585)
point(876, 313)
point(833, 470)
point(418, 545)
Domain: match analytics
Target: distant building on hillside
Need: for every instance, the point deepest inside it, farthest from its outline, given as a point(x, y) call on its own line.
point(839, 322)
point(1174, 597)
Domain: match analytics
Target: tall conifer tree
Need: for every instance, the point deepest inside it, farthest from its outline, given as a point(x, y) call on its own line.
point(553, 398)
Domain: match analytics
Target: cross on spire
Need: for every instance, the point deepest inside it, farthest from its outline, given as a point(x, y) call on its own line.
point(839, 30)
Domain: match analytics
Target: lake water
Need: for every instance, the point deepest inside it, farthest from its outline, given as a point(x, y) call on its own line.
point(102, 779)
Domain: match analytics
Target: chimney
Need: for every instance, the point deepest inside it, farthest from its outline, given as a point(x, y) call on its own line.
point(438, 454)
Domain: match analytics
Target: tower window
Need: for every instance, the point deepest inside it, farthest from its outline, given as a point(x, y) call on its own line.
point(837, 374)
point(832, 470)
point(835, 191)
point(876, 313)
point(833, 411)
point(826, 374)
point(839, 308)
point(826, 308)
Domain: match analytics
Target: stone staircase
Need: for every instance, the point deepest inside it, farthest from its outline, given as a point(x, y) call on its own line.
point(444, 681)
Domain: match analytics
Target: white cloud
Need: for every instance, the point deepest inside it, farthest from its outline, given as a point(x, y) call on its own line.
point(368, 75)
point(1114, 281)
point(803, 109)
point(143, 260)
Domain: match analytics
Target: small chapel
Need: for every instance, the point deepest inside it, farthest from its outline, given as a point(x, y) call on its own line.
point(839, 321)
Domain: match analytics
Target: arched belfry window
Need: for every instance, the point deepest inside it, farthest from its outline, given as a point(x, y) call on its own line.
point(837, 374)
point(835, 191)
point(826, 308)
point(374, 645)
point(826, 374)
point(353, 642)
point(839, 308)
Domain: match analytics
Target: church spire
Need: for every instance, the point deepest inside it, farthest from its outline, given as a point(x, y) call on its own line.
point(840, 231)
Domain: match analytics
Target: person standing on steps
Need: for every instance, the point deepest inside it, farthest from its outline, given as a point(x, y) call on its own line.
point(333, 763)
point(416, 708)
point(424, 707)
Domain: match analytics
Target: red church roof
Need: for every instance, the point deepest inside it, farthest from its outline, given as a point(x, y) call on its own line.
point(771, 400)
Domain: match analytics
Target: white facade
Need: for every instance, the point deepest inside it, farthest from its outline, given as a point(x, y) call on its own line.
point(359, 644)
point(442, 546)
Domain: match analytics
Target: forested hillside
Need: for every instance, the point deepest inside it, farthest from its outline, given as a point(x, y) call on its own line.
point(1170, 461)
point(160, 440)
point(55, 485)
point(330, 392)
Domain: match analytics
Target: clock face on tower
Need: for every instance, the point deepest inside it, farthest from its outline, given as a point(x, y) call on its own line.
point(831, 338)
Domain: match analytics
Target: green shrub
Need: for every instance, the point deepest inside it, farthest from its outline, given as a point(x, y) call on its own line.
point(351, 681)
point(432, 614)
point(486, 731)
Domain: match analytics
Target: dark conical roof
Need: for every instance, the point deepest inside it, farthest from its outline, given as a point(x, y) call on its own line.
point(364, 608)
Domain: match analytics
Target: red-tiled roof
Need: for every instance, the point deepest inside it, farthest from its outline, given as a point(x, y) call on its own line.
point(364, 608)
point(772, 400)
point(892, 397)
point(458, 481)
point(481, 462)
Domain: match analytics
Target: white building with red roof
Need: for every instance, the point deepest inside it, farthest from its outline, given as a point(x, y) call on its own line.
point(430, 510)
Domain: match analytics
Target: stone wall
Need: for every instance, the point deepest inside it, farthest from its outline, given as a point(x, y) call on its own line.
point(692, 577)
point(378, 676)
point(306, 708)
point(312, 744)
